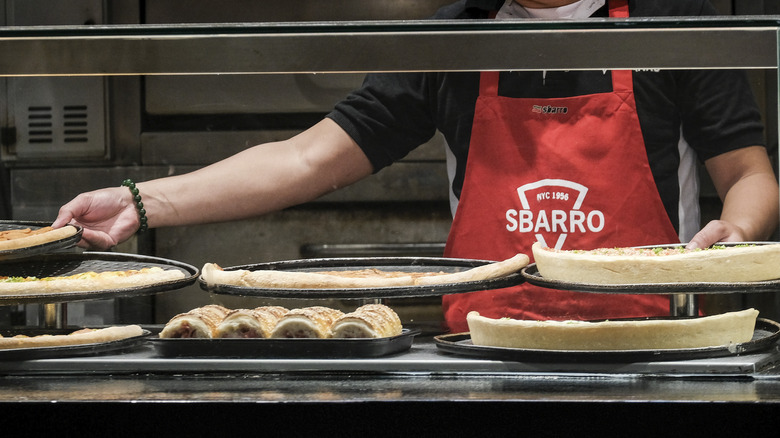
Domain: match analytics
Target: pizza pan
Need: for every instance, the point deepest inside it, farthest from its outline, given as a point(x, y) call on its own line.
point(765, 336)
point(93, 349)
point(295, 348)
point(52, 265)
point(531, 274)
point(407, 264)
point(44, 248)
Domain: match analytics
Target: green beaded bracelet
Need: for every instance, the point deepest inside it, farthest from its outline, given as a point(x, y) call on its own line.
point(138, 204)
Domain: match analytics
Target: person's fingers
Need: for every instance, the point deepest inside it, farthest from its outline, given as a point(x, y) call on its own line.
point(714, 232)
point(95, 240)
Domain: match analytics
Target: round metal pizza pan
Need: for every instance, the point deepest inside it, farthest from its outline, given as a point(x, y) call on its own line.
point(93, 349)
point(531, 274)
point(298, 348)
point(52, 265)
point(44, 248)
point(765, 336)
point(406, 264)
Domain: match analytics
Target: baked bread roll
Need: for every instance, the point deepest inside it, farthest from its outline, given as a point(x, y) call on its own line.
point(368, 321)
point(307, 322)
point(651, 334)
point(250, 323)
point(197, 323)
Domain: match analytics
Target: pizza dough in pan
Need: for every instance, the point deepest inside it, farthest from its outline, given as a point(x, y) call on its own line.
point(361, 278)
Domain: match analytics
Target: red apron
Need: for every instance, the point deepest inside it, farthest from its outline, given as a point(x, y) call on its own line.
point(571, 173)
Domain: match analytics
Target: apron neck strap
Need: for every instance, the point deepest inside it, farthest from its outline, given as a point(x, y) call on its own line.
point(621, 79)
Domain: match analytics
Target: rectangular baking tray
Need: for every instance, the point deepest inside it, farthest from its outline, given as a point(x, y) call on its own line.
point(284, 347)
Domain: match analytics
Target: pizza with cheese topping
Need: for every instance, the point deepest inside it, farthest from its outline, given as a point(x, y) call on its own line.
point(662, 264)
point(78, 337)
point(28, 237)
point(88, 281)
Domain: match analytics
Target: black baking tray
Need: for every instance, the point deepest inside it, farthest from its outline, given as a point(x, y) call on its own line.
point(407, 264)
point(93, 349)
point(44, 248)
point(296, 348)
point(74, 263)
point(765, 336)
point(531, 275)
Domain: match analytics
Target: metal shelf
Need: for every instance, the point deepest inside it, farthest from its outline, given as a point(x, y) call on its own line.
point(385, 46)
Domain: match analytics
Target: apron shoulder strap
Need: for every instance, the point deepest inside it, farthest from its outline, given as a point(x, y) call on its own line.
point(618, 8)
point(622, 80)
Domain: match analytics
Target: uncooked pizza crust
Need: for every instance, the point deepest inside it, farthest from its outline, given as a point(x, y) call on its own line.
point(651, 334)
point(365, 278)
point(80, 337)
point(630, 266)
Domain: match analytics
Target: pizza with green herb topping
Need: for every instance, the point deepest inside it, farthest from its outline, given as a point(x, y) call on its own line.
point(662, 264)
point(88, 281)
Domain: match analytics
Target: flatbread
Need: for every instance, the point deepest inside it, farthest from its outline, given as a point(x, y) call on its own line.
point(634, 266)
point(80, 337)
point(88, 281)
point(213, 274)
point(28, 237)
point(652, 334)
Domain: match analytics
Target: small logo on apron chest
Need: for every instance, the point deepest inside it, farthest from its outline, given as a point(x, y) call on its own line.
point(549, 109)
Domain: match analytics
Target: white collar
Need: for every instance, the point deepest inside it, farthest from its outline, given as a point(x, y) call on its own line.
point(576, 10)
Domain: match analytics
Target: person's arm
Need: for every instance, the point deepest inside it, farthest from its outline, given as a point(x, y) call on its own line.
point(746, 183)
point(256, 181)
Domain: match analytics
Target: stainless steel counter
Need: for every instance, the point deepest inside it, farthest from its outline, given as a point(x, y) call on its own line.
point(421, 392)
point(423, 358)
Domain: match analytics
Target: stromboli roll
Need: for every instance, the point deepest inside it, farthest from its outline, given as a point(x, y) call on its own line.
point(197, 323)
point(368, 321)
point(250, 323)
point(307, 322)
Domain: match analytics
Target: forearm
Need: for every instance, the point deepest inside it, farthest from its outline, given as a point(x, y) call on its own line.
point(260, 180)
point(752, 205)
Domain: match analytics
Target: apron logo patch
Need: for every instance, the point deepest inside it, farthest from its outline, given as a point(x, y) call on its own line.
point(551, 209)
point(549, 109)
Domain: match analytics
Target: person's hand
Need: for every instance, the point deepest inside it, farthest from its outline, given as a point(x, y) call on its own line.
point(714, 232)
point(107, 216)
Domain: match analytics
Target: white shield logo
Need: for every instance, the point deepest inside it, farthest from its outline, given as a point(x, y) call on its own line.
point(567, 197)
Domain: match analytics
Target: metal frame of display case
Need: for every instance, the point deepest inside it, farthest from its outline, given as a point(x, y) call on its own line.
point(374, 46)
point(742, 42)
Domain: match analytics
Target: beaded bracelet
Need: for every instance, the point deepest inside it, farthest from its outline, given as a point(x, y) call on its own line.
point(138, 204)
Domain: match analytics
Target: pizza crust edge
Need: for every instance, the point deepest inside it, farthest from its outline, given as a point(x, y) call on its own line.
point(652, 334)
point(733, 264)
